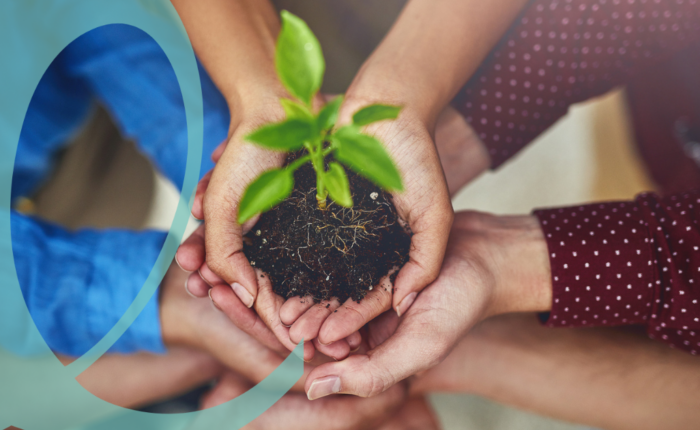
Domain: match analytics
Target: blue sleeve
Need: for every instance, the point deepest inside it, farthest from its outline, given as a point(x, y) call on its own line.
point(130, 74)
point(78, 284)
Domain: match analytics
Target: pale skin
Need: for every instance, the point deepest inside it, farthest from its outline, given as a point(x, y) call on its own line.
point(457, 35)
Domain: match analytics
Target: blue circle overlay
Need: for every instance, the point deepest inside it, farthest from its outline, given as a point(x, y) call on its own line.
point(36, 390)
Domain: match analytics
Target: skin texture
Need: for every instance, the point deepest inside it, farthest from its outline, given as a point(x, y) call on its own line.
point(225, 31)
point(295, 411)
point(131, 381)
point(197, 324)
point(493, 265)
point(608, 378)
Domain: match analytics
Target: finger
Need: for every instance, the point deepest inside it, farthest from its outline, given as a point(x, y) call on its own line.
point(229, 386)
point(430, 234)
point(308, 325)
point(423, 339)
point(196, 286)
point(354, 341)
point(210, 277)
point(293, 308)
point(296, 412)
point(351, 316)
point(309, 351)
point(268, 307)
point(198, 203)
point(336, 350)
point(246, 319)
point(399, 357)
point(191, 255)
point(239, 165)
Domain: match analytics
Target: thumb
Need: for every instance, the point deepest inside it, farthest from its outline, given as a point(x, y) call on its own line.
point(430, 235)
point(402, 355)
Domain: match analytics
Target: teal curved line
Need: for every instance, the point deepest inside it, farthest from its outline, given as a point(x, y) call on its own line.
point(36, 391)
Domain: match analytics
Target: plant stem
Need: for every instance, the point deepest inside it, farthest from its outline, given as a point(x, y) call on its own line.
point(317, 160)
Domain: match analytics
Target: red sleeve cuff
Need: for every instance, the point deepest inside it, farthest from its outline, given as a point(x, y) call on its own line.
point(602, 270)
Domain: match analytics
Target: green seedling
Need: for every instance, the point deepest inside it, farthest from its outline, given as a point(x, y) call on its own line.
point(300, 66)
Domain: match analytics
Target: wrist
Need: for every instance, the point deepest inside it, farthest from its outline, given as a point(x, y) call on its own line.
point(522, 270)
point(386, 82)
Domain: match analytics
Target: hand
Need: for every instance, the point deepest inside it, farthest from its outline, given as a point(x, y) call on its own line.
point(295, 411)
point(195, 323)
point(461, 153)
point(493, 265)
point(598, 377)
point(263, 322)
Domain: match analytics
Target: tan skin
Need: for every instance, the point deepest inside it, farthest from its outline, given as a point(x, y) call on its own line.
point(455, 34)
point(617, 379)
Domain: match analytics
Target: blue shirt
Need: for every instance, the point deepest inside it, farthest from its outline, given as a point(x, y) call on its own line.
point(78, 284)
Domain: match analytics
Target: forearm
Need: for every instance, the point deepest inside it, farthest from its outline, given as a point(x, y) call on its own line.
point(136, 380)
point(601, 377)
point(432, 50)
point(235, 40)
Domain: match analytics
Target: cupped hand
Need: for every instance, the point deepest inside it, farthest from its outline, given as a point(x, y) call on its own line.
point(238, 164)
point(493, 265)
point(424, 206)
point(263, 321)
point(463, 157)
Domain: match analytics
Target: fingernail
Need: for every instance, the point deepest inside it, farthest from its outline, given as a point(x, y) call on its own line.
point(213, 302)
point(187, 289)
point(323, 387)
point(243, 294)
point(406, 303)
point(180, 266)
point(356, 349)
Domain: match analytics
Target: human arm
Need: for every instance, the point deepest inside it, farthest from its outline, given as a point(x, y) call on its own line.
point(136, 380)
point(75, 286)
point(499, 265)
point(557, 54)
point(601, 377)
point(427, 56)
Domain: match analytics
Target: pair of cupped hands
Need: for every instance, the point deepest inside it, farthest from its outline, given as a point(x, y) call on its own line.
point(459, 267)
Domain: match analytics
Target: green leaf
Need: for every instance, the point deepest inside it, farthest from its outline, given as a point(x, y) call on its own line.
point(329, 114)
point(299, 59)
point(296, 110)
point(336, 182)
point(265, 193)
point(288, 135)
point(374, 113)
point(367, 156)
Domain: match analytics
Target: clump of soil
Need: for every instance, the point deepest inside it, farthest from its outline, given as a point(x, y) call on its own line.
point(337, 252)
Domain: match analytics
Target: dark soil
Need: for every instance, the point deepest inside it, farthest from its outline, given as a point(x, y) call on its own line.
point(337, 252)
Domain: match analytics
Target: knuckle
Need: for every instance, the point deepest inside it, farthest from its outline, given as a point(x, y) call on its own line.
point(377, 383)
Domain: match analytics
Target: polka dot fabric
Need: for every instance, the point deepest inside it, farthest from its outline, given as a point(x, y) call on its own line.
point(628, 263)
point(560, 52)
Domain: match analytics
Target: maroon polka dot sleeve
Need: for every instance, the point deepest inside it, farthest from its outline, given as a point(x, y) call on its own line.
point(628, 263)
point(561, 52)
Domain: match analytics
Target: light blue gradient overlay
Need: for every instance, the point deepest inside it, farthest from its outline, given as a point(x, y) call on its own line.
point(36, 390)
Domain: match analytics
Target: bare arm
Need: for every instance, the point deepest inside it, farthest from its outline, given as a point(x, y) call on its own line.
point(608, 378)
point(235, 40)
point(136, 380)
